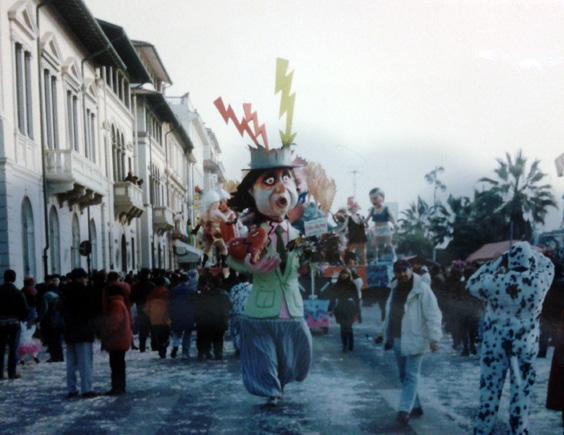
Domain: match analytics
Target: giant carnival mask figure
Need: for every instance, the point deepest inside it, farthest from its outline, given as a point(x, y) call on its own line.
point(275, 340)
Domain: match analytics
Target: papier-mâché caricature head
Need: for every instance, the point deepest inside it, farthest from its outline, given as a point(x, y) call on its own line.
point(275, 193)
point(377, 197)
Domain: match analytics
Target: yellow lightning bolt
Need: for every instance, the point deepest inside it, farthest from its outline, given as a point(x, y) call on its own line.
point(283, 85)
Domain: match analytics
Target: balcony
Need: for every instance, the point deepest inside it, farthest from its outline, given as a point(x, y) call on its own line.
point(128, 201)
point(73, 178)
point(163, 219)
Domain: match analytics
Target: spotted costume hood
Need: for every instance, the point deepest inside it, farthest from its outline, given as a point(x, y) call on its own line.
point(516, 283)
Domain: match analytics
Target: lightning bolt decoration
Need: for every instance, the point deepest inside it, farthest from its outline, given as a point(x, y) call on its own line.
point(241, 126)
point(283, 85)
point(252, 118)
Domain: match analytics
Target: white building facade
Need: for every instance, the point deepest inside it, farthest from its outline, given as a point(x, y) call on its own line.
point(84, 158)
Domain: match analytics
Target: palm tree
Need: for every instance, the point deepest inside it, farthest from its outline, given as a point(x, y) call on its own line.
point(523, 195)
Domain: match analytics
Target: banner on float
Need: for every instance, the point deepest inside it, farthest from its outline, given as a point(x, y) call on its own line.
point(315, 227)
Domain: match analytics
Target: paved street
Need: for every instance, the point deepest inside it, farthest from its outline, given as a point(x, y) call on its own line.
point(352, 393)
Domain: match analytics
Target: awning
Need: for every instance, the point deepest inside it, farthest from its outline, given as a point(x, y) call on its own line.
point(186, 253)
point(490, 251)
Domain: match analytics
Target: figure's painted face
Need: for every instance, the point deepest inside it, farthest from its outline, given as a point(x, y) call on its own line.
point(275, 193)
point(223, 206)
point(376, 200)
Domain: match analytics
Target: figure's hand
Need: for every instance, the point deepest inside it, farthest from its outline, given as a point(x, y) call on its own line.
point(434, 346)
point(264, 265)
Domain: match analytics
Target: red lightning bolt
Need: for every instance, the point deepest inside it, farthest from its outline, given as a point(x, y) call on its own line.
point(228, 114)
point(252, 118)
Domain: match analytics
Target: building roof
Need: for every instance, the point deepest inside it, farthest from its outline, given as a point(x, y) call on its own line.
point(82, 23)
point(121, 42)
point(152, 55)
point(158, 103)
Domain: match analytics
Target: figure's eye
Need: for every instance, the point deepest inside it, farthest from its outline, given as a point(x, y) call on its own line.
point(269, 181)
point(286, 178)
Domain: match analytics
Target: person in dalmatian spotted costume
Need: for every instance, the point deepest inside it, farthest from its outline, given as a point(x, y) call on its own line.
point(514, 287)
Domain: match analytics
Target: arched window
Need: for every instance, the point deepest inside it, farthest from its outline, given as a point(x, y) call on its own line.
point(122, 156)
point(28, 239)
point(123, 254)
point(115, 155)
point(75, 254)
point(94, 245)
point(54, 241)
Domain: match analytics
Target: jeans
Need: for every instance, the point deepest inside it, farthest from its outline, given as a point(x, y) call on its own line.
point(10, 336)
point(409, 368)
point(117, 365)
point(79, 357)
point(183, 335)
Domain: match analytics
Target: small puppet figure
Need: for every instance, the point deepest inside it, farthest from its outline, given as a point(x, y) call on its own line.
point(513, 287)
point(384, 224)
point(276, 343)
point(356, 231)
point(211, 219)
point(227, 217)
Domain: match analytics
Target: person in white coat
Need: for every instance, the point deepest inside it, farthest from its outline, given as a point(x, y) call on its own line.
point(412, 327)
point(514, 287)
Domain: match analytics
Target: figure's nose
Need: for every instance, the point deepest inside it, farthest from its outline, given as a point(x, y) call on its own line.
point(279, 187)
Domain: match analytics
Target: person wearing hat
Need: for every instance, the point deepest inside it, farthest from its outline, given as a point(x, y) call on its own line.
point(412, 327)
point(78, 309)
point(275, 340)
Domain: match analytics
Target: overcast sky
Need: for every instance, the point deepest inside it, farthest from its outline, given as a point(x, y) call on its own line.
point(390, 88)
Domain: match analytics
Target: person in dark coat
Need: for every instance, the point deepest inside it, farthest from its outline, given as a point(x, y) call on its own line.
point(13, 310)
point(79, 306)
point(555, 394)
point(212, 317)
point(181, 307)
point(30, 293)
point(345, 306)
point(156, 308)
point(141, 289)
point(52, 323)
point(116, 335)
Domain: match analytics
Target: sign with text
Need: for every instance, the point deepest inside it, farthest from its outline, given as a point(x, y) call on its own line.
point(315, 227)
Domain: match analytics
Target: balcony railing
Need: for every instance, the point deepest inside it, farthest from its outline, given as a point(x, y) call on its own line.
point(163, 219)
point(128, 200)
point(67, 168)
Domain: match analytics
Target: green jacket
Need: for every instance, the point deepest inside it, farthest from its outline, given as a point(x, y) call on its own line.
point(265, 299)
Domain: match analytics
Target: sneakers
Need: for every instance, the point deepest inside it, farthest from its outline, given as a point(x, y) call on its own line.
point(402, 418)
point(72, 395)
point(89, 394)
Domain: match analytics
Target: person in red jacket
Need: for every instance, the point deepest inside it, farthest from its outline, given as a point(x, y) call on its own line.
point(156, 309)
point(117, 335)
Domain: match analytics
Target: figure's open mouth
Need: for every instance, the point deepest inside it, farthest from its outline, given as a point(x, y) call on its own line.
point(281, 202)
